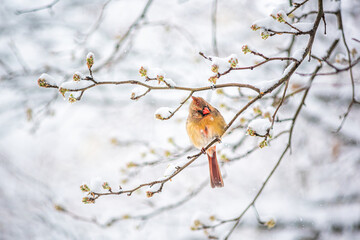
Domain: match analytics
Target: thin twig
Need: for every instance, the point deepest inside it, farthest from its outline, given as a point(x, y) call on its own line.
point(267, 59)
point(273, 32)
point(151, 87)
point(353, 100)
point(297, 5)
point(150, 184)
point(237, 220)
point(214, 23)
point(119, 43)
point(48, 6)
point(278, 107)
point(337, 70)
point(96, 25)
point(317, 69)
point(177, 109)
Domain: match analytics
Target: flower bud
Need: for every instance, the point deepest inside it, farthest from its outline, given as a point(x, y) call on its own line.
point(72, 99)
point(250, 132)
point(84, 188)
point(88, 200)
point(167, 153)
point(106, 186)
point(77, 76)
point(233, 62)
point(62, 91)
point(254, 27)
point(270, 224)
point(213, 79)
point(59, 208)
point(160, 78)
point(263, 144)
point(149, 194)
point(46, 81)
point(131, 164)
point(215, 68)
point(143, 71)
point(280, 18)
point(245, 49)
point(257, 110)
point(224, 158)
point(265, 34)
point(197, 223)
point(220, 91)
point(243, 120)
point(90, 60)
point(354, 52)
point(42, 83)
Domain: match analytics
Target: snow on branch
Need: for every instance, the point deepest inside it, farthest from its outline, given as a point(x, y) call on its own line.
point(164, 113)
point(47, 81)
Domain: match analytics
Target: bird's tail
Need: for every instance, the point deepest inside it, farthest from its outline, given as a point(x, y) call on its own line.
point(215, 174)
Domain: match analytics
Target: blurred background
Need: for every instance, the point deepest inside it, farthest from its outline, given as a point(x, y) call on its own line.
point(49, 147)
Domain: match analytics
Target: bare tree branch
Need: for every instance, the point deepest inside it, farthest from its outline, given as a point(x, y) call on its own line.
point(48, 6)
point(214, 23)
point(132, 27)
point(353, 100)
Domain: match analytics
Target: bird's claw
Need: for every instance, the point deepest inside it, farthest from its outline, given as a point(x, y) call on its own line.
point(203, 151)
point(218, 139)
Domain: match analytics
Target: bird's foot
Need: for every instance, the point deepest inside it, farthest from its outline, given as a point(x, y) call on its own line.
point(203, 151)
point(218, 139)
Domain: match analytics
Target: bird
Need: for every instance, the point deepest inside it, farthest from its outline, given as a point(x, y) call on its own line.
point(204, 124)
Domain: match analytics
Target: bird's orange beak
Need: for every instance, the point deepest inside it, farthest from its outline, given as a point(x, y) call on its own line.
point(206, 110)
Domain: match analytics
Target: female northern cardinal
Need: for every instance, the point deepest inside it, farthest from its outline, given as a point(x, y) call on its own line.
point(205, 123)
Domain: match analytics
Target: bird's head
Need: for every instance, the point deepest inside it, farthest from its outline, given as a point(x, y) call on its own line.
point(199, 108)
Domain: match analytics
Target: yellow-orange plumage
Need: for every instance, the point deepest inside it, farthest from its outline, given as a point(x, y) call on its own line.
point(205, 123)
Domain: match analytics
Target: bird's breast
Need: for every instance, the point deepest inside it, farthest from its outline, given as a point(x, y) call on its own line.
point(204, 131)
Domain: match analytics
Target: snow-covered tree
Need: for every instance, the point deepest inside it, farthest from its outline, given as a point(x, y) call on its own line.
point(280, 73)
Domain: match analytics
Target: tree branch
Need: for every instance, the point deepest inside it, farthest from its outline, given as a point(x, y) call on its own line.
point(353, 100)
point(48, 6)
point(214, 23)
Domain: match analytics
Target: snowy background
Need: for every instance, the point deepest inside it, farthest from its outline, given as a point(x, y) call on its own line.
point(49, 147)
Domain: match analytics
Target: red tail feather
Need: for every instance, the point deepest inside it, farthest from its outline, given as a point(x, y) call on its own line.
point(215, 174)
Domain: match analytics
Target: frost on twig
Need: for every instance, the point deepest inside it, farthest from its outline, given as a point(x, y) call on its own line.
point(151, 73)
point(164, 113)
point(258, 127)
point(169, 82)
point(75, 85)
point(220, 66)
point(263, 86)
point(157, 187)
point(298, 54)
point(172, 168)
point(279, 23)
point(47, 81)
point(138, 92)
